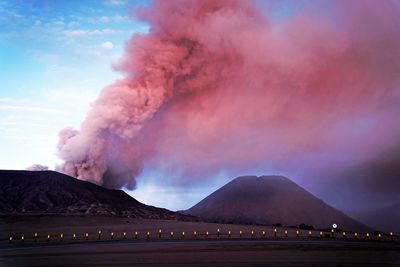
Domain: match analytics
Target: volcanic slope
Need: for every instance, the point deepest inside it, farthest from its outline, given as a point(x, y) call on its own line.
point(268, 200)
point(50, 192)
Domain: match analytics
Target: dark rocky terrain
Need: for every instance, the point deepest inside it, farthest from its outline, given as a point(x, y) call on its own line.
point(268, 200)
point(49, 192)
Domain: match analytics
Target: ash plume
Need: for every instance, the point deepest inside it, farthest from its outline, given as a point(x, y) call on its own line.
point(37, 167)
point(219, 85)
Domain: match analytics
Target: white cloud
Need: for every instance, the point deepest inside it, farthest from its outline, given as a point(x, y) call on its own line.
point(107, 45)
point(28, 109)
point(79, 99)
point(37, 167)
point(119, 18)
point(14, 100)
point(81, 33)
point(104, 31)
point(107, 19)
point(104, 19)
point(58, 23)
point(73, 23)
point(74, 33)
point(114, 2)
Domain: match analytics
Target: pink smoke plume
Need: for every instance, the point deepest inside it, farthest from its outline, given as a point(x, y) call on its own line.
point(37, 167)
point(218, 85)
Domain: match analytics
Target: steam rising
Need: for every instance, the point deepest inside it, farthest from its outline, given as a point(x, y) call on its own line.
point(218, 85)
point(37, 167)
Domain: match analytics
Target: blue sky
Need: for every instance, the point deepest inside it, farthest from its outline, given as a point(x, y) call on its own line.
point(55, 57)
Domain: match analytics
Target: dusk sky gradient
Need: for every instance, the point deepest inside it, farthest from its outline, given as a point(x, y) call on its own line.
point(305, 89)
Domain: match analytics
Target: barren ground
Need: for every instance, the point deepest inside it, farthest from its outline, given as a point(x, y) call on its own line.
point(179, 251)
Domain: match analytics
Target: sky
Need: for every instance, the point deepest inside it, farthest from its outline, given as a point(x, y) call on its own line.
point(55, 58)
point(172, 99)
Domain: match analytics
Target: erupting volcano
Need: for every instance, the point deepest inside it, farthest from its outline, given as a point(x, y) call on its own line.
point(223, 86)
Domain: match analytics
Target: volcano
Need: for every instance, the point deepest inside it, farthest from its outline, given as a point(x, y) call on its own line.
point(269, 200)
point(50, 192)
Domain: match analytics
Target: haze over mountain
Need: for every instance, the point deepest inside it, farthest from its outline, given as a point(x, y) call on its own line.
point(386, 218)
point(49, 192)
point(269, 200)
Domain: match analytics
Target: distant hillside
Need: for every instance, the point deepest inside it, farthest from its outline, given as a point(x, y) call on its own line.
point(49, 192)
point(269, 200)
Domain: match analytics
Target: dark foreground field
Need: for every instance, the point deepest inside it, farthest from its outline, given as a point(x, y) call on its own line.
point(205, 253)
point(189, 250)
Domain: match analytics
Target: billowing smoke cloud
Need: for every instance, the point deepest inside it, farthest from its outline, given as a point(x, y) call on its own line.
point(37, 167)
point(217, 85)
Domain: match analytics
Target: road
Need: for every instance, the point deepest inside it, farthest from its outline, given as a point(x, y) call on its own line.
point(205, 252)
